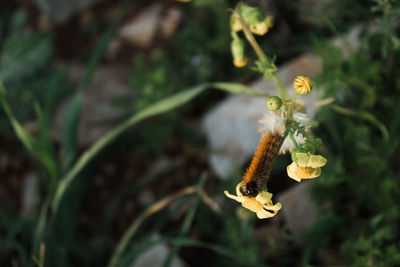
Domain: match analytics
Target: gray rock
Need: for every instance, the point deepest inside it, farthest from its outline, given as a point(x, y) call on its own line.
point(142, 28)
point(298, 210)
point(108, 83)
point(59, 11)
point(155, 257)
point(154, 21)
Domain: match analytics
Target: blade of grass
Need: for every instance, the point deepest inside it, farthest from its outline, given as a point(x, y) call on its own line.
point(70, 131)
point(365, 116)
point(187, 222)
point(131, 231)
point(130, 189)
point(159, 107)
point(31, 143)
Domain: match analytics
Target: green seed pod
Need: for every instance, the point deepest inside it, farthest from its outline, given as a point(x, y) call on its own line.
point(274, 103)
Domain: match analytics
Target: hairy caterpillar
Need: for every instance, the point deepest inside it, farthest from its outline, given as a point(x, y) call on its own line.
point(261, 164)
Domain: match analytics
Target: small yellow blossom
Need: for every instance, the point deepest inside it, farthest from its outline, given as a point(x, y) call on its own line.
point(261, 204)
point(302, 85)
point(262, 27)
point(240, 63)
point(306, 166)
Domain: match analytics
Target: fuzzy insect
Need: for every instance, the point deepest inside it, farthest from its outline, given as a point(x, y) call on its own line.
point(261, 164)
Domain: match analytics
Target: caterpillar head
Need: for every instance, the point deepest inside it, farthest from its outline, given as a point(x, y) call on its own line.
point(250, 189)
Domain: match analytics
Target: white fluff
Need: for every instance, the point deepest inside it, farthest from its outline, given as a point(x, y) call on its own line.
point(272, 121)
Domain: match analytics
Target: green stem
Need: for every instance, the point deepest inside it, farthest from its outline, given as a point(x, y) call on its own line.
point(281, 87)
point(249, 36)
point(294, 141)
point(260, 53)
point(365, 116)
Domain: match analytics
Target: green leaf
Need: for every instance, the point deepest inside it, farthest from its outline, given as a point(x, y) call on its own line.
point(236, 88)
point(70, 131)
point(22, 55)
point(29, 141)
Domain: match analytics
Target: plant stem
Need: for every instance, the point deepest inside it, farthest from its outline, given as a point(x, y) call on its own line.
point(250, 38)
point(281, 87)
point(260, 53)
point(294, 141)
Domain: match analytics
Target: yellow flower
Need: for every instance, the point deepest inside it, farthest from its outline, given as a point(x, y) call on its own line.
point(261, 204)
point(240, 63)
point(306, 166)
point(262, 27)
point(302, 85)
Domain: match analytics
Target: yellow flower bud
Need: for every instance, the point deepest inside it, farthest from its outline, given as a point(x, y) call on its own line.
point(240, 63)
point(262, 27)
point(259, 28)
point(238, 50)
point(236, 26)
point(302, 85)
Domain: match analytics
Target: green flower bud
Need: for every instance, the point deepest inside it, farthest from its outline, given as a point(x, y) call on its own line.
point(236, 26)
point(238, 52)
point(273, 103)
point(250, 14)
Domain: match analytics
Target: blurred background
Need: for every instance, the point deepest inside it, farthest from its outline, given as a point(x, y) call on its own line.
point(107, 112)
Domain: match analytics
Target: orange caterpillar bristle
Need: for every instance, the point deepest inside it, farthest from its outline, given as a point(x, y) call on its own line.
point(262, 163)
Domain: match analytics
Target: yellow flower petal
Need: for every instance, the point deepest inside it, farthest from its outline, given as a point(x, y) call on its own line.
point(275, 207)
point(316, 161)
point(263, 214)
point(302, 159)
point(238, 193)
point(252, 204)
point(261, 204)
point(291, 171)
point(237, 198)
point(312, 161)
point(297, 173)
point(264, 197)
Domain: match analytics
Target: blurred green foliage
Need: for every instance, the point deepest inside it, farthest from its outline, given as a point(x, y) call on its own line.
point(358, 193)
point(25, 67)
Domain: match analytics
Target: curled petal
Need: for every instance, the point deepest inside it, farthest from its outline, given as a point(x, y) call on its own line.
point(275, 207)
point(237, 198)
point(263, 214)
point(238, 193)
